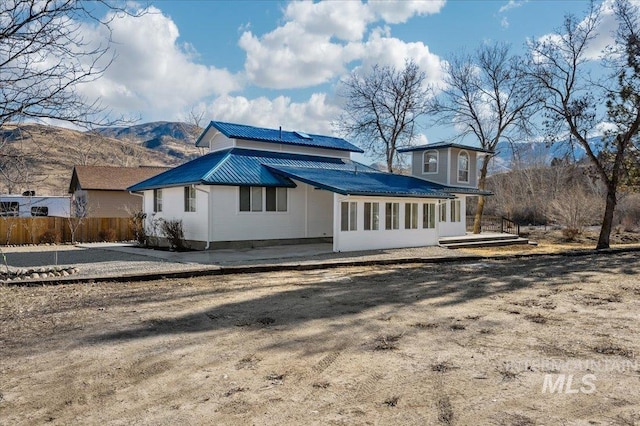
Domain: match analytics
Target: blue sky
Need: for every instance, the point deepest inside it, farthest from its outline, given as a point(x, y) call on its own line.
point(277, 63)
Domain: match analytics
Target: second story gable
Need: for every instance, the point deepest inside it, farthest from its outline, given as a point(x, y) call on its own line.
point(220, 136)
point(446, 163)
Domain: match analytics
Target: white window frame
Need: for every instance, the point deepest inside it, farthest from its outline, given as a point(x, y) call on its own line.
point(189, 199)
point(410, 215)
point(460, 154)
point(428, 216)
point(258, 200)
point(424, 156)
point(391, 219)
point(455, 211)
point(372, 219)
point(442, 211)
point(348, 216)
point(157, 200)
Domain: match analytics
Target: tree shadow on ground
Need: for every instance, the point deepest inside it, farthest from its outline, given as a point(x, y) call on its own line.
point(336, 298)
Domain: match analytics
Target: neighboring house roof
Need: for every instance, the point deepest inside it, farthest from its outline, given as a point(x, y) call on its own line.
point(437, 145)
point(108, 178)
point(245, 167)
point(240, 131)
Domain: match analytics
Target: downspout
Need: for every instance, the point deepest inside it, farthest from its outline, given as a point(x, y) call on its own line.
point(206, 247)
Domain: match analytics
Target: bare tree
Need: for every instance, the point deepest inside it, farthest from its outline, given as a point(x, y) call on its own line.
point(559, 66)
point(486, 97)
point(18, 164)
point(44, 57)
point(382, 108)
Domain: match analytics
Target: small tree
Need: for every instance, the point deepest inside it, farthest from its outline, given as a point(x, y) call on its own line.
point(382, 108)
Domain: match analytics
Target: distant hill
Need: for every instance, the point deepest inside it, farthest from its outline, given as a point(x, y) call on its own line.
point(173, 138)
point(539, 153)
point(41, 158)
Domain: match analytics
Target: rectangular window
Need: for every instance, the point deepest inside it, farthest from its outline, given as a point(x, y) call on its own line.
point(428, 215)
point(392, 210)
point(348, 216)
point(256, 199)
point(371, 216)
point(9, 208)
point(189, 199)
point(40, 211)
point(157, 200)
point(411, 216)
point(245, 198)
point(443, 211)
point(455, 210)
point(276, 199)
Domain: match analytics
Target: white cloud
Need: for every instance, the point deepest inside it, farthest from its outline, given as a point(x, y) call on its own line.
point(399, 11)
point(149, 70)
point(511, 4)
point(312, 116)
point(504, 23)
point(318, 41)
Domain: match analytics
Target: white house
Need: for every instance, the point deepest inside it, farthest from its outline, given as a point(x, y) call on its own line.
point(260, 186)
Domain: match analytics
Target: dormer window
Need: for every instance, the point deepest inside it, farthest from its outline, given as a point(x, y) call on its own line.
point(463, 167)
point(430, 162)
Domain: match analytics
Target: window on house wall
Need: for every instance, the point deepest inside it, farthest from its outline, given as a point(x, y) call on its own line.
point(276, 199)
point(258, 199)
point(463, 167)
point(430, 162)
point(392, 211)
point(348, 216)
point(455, 210)
point(189, 199)
point(443, 211)
point(428, 215)
point(9, 208)
point(371, 216)
point(40, 211)
point(157, 200)
point(411, 216)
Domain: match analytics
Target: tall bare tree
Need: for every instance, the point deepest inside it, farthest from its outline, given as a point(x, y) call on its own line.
point(559, 65)
point(382, 108)
point(486, 97)
point(44, 57)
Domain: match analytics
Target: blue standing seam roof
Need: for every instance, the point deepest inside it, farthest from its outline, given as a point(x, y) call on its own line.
point(245, 167)
point(241, 131)
point(239, 166)
point(362, 182)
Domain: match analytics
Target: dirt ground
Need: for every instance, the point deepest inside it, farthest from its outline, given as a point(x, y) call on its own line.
point(545, 340)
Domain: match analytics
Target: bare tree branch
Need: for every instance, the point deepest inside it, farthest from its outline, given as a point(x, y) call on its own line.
point(382, 109)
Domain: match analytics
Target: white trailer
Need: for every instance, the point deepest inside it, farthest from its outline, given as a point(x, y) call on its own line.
point(29, 206)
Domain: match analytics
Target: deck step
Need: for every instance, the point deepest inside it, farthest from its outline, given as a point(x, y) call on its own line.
point(484, 242)
point(474, 238)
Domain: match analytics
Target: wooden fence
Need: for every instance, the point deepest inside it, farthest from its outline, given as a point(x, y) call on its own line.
point(29, 230)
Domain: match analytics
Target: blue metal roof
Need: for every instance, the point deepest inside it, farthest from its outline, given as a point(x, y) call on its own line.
point(243, 167)
point(365, 181)
point(443, 144)
point(241, 131)
point(246, 167)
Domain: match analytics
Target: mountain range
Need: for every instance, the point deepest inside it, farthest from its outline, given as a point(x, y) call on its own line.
point(41, 158)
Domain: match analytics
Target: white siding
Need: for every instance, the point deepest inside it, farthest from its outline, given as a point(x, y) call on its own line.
point(454, 229)
point(194, 223)
point(381, 238)
point(308, 215)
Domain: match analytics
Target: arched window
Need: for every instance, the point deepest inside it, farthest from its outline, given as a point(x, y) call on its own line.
point(430, 162)
point(463, 167)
